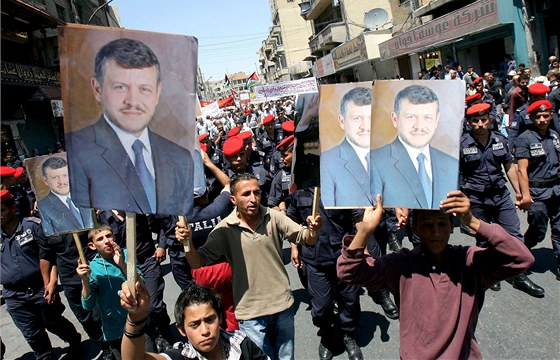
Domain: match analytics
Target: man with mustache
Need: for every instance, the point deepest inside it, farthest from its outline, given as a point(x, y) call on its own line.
point(409, 172)
point(118, 163)
point(344, 168)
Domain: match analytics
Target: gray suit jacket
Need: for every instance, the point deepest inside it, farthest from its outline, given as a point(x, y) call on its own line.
point(57, 218)
point(344, 181)
point(394, 176)
point(102, 175)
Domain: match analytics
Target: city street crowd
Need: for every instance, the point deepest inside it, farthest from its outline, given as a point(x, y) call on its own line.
point(236, 300)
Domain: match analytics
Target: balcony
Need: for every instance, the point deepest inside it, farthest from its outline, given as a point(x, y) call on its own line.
point(317, 8)
point(328, 38)
point(299, 68)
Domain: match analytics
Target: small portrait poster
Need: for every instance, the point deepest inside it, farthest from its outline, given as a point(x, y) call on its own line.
point(130, 102)
point(344, 132)
point(50, 182)
point(415, 137)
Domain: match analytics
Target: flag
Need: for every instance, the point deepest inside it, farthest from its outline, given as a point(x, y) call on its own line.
point(227, 83)
point(252, 80)
point(233, 92)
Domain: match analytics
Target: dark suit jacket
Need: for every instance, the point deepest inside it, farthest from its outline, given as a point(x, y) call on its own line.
point(394, 176)
point(56, 217)
point(102, 175)
point(344, 181)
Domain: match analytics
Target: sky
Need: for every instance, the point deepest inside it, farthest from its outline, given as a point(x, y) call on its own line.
point(229, 32)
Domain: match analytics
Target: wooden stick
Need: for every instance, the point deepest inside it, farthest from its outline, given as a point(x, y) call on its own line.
point(186, 244)
point(316, 197)
point(80, 248)
point(131, 251)
point(315, 208)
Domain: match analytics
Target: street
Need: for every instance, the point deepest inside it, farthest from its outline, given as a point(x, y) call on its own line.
point(512, 325)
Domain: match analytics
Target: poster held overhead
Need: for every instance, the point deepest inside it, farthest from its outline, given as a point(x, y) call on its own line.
point(416, 131)
point(129, 124)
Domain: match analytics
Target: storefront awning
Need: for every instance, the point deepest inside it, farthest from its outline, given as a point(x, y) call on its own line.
point(23, 16)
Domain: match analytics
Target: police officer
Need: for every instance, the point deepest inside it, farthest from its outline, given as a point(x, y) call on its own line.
point(335, 330)
point(538, 151)
point(483, 155)
point(267, 140)
point(521, 120)
point(280, 185)
point(23, 284)
point(9, 182)
point(235, 153)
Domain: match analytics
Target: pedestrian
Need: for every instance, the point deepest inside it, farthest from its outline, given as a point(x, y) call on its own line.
point(250, 239)
point(440, 286)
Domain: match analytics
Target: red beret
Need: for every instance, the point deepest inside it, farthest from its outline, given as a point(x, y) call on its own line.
point(233, 132)
point(247, 112)
point(268, 119)
point(203, 137)
point(6, 171)
point(541, 105)
point(232, 146)
point(244, 135)
point(477, 80)
point(473, 98)
point(286, 143)
point(18, 172)
point(204, 148)
point(288, 126)
point(5, 195)
point(538, 89)
point(478, 109)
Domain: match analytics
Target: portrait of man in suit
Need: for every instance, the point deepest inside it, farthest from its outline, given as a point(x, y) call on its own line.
point(59, 214)
point(409, 172)
point(344, 168)
point(118, 162)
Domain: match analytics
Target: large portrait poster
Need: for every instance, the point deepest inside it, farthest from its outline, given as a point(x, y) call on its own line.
point(50, 182)
point(415, 138)
point(129, 99)
point(344, 131)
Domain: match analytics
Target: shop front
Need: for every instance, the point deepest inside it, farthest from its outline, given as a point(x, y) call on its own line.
point(479, 34)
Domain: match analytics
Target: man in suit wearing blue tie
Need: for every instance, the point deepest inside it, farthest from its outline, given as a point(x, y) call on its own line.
point(409, 172)
point(58, 212)
point(344, 168)
point(118, 162)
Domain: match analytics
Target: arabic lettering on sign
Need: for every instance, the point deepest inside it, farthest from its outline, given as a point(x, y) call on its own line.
point(287, 88)
point(479, 15)
point(12, 71)
point(350, 52)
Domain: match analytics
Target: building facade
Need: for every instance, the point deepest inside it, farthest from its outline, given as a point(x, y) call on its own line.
point(477, 33)
point(345, 38)
point(32, 110)
point(284, 55)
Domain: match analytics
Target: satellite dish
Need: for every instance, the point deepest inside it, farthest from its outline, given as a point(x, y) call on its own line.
point(374, 18)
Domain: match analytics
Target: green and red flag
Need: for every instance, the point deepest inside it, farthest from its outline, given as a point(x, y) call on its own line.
point(252, 80)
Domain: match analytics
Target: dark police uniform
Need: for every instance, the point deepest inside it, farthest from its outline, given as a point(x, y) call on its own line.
point(23, 290)
point(481, 178)
point(61, 250)
point(323, 284)
point(521, 122)
point(279, 188)
point(543, 153)
point(266, 146)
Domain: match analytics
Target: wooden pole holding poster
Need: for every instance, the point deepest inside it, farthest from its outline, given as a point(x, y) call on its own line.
point(315, 207)
point(186, 245)
point(80, 248)
point(131, 251)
